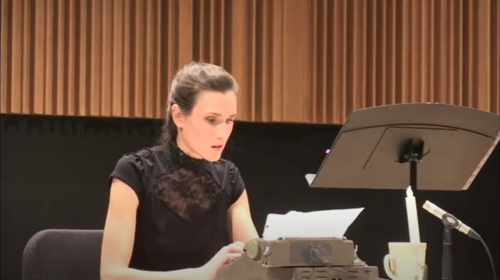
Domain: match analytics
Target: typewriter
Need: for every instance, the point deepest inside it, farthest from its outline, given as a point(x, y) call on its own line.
point(298, 259)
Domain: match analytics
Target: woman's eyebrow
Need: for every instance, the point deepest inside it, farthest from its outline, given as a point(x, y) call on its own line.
point(219, 115)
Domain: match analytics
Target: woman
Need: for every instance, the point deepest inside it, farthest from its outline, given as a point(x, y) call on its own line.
point(175, 208)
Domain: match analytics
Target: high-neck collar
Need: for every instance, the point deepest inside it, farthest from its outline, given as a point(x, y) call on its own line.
point(180, 157)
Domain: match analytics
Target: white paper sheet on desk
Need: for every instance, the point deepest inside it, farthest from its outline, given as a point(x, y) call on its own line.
point(316, 224)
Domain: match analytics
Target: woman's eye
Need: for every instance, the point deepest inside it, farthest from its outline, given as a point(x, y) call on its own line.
point(211, 120)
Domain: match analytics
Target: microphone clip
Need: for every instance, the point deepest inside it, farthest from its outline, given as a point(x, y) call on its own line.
point(450, 221)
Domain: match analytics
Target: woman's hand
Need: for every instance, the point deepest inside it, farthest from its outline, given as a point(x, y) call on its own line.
point(224, 256)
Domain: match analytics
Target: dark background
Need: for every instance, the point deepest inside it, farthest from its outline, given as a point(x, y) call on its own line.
point(54, 173)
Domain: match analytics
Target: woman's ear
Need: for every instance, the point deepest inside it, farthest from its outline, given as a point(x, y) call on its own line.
point(177, 116)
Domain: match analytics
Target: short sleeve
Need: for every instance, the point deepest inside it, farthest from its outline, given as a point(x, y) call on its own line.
point(130, 170)
point(237, 185)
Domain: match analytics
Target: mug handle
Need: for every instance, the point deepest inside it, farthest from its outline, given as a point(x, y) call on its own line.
point(387, 267)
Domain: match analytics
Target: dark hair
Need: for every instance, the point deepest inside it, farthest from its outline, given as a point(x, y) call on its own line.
point(193, 78)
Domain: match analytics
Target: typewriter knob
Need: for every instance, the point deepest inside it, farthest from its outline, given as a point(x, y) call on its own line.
point(252, 249)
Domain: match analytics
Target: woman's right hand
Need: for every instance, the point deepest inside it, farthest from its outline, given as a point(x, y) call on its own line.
point(225, 255)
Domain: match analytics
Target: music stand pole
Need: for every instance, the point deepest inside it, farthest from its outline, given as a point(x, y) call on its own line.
point(413, 154)
point(413, 172)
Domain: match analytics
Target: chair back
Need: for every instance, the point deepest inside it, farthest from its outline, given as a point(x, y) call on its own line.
point(63, 254)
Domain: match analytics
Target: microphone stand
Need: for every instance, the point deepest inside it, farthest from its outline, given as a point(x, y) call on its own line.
point(447, 259)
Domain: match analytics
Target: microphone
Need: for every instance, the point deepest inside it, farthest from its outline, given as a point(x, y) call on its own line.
point(450, 220)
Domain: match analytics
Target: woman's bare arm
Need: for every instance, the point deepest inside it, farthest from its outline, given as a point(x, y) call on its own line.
point(118, 240)
point(240, 219)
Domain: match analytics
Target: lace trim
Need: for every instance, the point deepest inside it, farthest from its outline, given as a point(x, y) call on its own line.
point(186, 187)
point(182, 159)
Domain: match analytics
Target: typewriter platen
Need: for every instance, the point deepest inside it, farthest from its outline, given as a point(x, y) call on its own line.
point(298, 259)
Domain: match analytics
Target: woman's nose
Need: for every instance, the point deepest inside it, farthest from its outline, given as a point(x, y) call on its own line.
point(223, 131)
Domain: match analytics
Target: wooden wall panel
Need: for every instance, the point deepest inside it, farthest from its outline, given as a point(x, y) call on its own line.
point(296, 60)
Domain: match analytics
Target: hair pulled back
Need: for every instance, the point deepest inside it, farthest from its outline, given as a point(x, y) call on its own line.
point(187, 83)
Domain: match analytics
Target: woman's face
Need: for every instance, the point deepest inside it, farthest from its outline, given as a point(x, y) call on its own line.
point(207, 128)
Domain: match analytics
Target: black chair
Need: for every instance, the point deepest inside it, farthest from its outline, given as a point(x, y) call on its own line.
point(63, 254)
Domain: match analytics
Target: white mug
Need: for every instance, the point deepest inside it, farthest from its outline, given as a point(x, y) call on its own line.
point(405, 261)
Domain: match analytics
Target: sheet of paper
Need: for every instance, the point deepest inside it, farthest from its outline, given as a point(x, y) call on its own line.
point(316, 224)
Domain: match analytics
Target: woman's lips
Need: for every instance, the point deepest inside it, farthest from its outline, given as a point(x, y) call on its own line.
point(217, 148)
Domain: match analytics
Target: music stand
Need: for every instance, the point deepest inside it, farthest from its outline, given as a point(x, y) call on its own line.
point(445, 145)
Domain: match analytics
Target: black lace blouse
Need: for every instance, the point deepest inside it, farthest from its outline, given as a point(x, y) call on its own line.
point(183, 203)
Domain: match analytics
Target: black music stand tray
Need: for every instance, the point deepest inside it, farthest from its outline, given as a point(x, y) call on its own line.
point(448, 145)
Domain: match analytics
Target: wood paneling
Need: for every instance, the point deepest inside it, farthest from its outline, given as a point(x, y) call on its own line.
point(296, 60)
